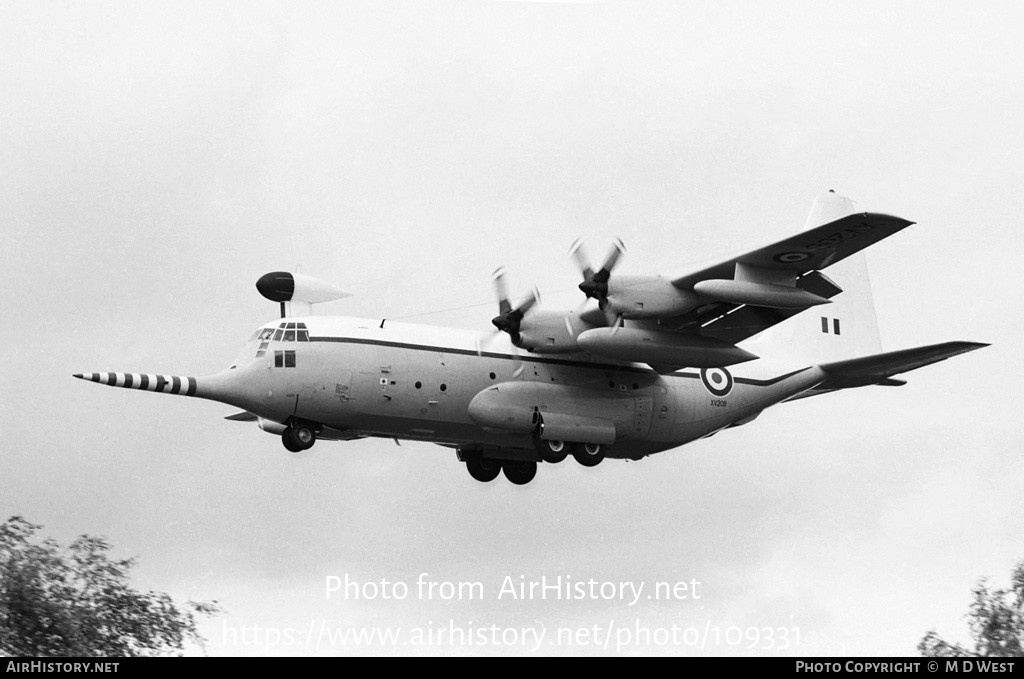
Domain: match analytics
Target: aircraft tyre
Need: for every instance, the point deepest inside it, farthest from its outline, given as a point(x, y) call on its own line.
point(588, 454)
point(552, 452)
point(288, 439)
point(298, 438)
point(519, 472)
point(482, 469)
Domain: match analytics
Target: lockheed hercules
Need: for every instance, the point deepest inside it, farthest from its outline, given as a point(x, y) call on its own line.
point(647, 364)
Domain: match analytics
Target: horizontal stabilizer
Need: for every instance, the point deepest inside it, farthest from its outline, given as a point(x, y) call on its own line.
point(878, 369)
point(859, 372)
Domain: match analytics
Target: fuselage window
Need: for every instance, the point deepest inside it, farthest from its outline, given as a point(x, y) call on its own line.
point(284, 359)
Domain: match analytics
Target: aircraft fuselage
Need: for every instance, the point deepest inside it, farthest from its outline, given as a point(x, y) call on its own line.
point(359, 377)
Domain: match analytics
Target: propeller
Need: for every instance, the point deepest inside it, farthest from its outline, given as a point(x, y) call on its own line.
point(595, 283)
point(509, 320)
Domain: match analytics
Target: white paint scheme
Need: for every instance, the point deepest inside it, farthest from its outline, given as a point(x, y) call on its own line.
point(505, 409)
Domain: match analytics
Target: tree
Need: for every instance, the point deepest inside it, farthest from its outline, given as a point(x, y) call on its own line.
point(996, 619)
point(77, 601)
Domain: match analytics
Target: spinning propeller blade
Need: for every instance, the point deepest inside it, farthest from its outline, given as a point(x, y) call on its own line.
point(510, 320)
point(595, 283)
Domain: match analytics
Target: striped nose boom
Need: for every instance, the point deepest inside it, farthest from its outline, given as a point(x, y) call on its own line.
point(166, 384)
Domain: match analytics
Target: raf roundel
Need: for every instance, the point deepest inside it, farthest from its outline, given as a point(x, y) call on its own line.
point(791, 257)
point(717, 380)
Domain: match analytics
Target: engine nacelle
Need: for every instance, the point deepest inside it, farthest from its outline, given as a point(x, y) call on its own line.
point(551, 332)
point(656, 347)
point(647, 297)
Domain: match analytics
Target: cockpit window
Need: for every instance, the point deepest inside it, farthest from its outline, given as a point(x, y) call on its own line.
point(285, 332)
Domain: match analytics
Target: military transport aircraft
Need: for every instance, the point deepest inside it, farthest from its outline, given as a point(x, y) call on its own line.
point(655, 363)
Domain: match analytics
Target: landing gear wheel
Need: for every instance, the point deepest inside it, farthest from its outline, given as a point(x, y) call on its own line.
point(482, 469)
point(519, 472)
point(298, 437)
point(304, 435)
point(289, 441)
point(552, 451)
point(588, 454)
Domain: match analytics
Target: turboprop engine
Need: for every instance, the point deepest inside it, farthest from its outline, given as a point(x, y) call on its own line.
point(632, 296)
point(537, 330)
point(552, 332)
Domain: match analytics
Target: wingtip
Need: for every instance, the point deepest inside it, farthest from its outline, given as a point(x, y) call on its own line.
point(963, 347)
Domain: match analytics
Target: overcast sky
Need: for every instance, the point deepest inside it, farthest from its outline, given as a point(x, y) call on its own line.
point(157, 158)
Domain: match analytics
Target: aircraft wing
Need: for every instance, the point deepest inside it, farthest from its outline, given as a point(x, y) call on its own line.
point(811, 250)
point(880, 368)
point(734, 323)
point(795, 261)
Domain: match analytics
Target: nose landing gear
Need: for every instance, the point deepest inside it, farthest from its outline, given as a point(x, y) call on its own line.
point(299, 436)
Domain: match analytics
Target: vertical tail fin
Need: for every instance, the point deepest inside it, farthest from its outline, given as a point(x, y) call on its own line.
point(846, 328)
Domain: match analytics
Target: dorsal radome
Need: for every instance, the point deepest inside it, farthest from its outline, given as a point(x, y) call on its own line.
point(297, 289)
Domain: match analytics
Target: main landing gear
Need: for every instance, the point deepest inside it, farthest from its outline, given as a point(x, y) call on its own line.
point(521, 472)
point(587, 454)
point(299, 436)
point(485, 469)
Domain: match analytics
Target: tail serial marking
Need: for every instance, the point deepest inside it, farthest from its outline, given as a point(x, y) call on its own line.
point(166, 384)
